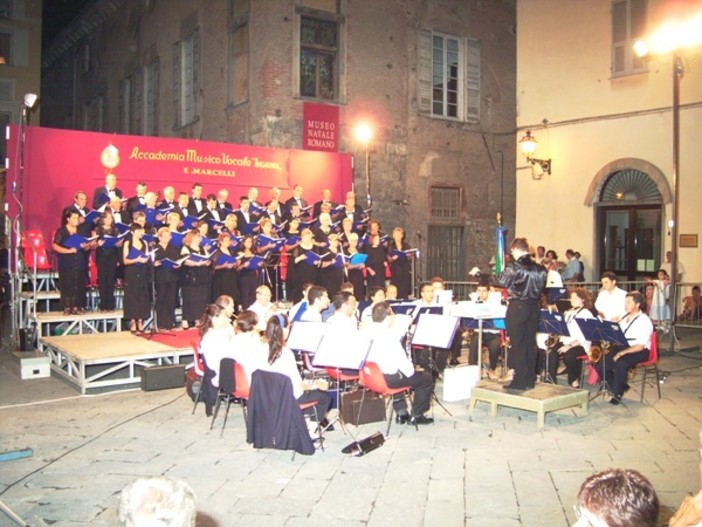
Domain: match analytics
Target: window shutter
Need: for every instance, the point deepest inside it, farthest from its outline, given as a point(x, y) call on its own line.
point(424, 71)
point(472, 80)
point(121, 104)
point(138, 101)
point(155, 72)
point(177, 63)
point(20, 47)
point(196, 73)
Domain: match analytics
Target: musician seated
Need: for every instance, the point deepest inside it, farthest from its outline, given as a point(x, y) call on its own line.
point(391, 293)
point(491, 338)
point(296, 311)
point(637, 329)
point(317, 301)
point(569, 348)
point(398, 369)
point(263, 307)
point(428, 298)
point(376, 294)
point(344, 318)
point(216, 333)
point(246, 346)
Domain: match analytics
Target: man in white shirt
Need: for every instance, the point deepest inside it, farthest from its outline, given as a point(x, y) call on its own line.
point(572, 269)
point(667, 265)
point(344, 317)
point(610, 300)
point(263, 307)
point(397, 368)
point(637, 329)
point(318, 301)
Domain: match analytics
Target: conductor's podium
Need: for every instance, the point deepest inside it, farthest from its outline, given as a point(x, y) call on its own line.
point(541, 399)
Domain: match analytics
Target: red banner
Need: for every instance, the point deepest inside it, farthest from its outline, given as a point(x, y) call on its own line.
point(320, 128)
point(60, 162)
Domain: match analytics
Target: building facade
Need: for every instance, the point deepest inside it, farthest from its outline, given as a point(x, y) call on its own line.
point(434, 79)
point(20, 63)
point(604, 118)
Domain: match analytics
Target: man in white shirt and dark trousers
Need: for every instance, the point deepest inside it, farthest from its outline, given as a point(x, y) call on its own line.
point(637, 329)
point(610, 300)
point(398, 370)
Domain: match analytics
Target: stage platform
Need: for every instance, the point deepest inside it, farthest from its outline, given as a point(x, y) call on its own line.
point(88, 322)
point(543, 398)
point(112, 359)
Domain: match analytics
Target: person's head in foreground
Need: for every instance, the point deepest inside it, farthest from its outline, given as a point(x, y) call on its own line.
point(617, 498)
point(157, 502)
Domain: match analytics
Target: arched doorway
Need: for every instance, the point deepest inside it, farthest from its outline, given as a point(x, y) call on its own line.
point(629, 197)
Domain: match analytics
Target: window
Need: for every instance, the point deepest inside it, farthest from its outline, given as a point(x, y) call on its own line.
point(628, 26)
point(5, 120)
point(445, 203)
point(186, 78)
point(150, 101)
point(319, 47)
point(449, 76)
point(238, 52)
point(88, 49)
point(93, 114)
point(5, 46)
point(5, 9)
point(125, 105)
point(445, 235)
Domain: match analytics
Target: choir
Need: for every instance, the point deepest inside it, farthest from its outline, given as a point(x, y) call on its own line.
point(200, 246)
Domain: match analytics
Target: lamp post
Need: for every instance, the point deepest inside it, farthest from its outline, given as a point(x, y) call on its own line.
point(671, 38)
point(528, 145)
point(364, 134)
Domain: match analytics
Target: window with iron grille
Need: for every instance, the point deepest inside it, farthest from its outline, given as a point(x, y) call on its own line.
point(628, 26)
point(150, 102)
point(319, 46)
point(446, 203)
point(186, 79)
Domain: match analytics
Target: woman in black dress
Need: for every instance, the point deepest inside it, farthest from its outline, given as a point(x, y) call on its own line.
point(137, 304)
point(106, 260)
point(321, 233)
point(375, 264)
point(331, 270)
point(400, 263)
point(226, 279)
point(166, 280)
point(197, 279)
point(293, 240)
point(71, 264)
point(248, 278)
point(355, 271)
point(271, 256)
point(303, 271)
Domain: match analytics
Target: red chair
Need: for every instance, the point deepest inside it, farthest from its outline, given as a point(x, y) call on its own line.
point(373, 379)
point(240, 391)
point(199, 368)
point(313, 405)
point(651, 365)
point(35, 251)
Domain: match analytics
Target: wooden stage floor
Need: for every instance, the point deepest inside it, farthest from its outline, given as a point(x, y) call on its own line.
point(110, 359)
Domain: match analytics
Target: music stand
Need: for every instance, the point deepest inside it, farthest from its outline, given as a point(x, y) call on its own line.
point(434, 330)
point(553, 324)
point(480, 323)
point(347, 353)
point(603, 331)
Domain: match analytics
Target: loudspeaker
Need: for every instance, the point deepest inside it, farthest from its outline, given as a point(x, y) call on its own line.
point(163, 377)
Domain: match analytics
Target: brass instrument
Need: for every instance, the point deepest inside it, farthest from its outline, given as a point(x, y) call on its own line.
point(597, 352)
point(552, 341)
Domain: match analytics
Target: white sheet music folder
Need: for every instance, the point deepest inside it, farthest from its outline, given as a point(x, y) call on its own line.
point(306, 336)
point(346, 353)
point(435, 330)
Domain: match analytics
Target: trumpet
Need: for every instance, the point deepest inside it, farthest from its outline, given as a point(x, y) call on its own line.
point(597, 352)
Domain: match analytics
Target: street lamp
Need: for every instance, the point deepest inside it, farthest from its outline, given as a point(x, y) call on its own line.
point(364, 133)
point(672, 38)
point(528, 145)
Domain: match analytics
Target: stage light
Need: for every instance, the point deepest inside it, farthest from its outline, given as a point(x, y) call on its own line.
point(30, 99)
point(528, 145)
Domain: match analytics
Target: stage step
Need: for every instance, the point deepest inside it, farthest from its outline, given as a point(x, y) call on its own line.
point(543, 398)
point(88, 322)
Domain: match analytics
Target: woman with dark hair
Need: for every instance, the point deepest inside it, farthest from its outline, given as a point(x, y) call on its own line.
point(197, 278)
point(225, 280)
point(375, 264)
point(303, 271)
point(247, 347)
point(331, 269)
point(71, 264)
point(281, 360)
point(569, 348)
point(137, 304)
point(400, 263)
point(216, 335)
point(106, 260)
point(355, 271)
point(166, 279)
point(248, 278)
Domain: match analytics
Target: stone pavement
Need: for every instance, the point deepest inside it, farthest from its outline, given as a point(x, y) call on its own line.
point(474, 471)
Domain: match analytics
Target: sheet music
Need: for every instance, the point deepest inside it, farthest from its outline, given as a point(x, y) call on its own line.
point(306, 336)
point(435, 330)
point(347, 352)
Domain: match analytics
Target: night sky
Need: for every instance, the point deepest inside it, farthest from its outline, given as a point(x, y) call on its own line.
point(57, 14)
